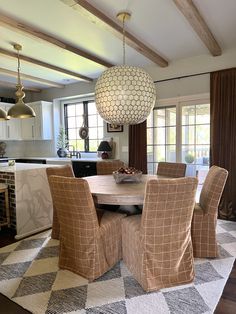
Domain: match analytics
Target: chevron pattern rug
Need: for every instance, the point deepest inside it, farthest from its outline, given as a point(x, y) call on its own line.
point(30, 277)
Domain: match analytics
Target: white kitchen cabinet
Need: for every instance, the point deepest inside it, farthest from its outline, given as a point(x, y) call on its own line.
point(3, 130)
point(13, 129)
point(3, 125)
point(10, 129)
point(39, 127)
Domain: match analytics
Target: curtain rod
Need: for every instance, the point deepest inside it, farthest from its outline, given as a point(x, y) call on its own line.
point(180, 77)
point(190, 75)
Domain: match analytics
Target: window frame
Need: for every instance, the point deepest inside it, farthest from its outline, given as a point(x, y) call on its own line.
point(179, 103)
point(85, 102)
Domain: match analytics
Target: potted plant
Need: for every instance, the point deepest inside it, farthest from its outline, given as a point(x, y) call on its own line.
point(62, 143)
point(189, 158)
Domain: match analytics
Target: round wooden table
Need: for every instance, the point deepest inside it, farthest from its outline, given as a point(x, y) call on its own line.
point(106, 191)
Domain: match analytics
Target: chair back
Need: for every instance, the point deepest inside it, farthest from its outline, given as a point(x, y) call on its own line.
point(171, 169)
point(212, 189)
point(166, 220)
point(64, 171)
point(79, 228)
point(107, 167)
point(75, 207)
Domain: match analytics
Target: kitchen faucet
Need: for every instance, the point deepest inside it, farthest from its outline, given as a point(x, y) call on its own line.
point(78, 154)
point(74, 152)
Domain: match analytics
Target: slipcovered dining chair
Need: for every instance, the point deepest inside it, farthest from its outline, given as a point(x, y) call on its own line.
point(157, 247)
point(205, 213)
point(171, 169)
point(65, 171)
point(90, 240)
point(107, 167)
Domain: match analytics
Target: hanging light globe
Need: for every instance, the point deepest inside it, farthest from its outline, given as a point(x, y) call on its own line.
point(124, 94)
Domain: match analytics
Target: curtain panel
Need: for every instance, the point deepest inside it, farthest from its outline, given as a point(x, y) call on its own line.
point(223, 135)
point(138, 146)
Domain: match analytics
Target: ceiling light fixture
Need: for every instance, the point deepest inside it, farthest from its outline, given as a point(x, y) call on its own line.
point(124, 94)
point(3, 115)
point(20, 109)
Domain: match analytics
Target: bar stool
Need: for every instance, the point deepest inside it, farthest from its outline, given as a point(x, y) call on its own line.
point(4, 189)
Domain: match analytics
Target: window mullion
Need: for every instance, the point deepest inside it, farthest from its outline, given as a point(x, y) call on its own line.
point(178, 132)
point(86, 124)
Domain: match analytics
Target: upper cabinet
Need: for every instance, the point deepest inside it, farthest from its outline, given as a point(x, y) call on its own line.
point(10, 129)
point(38, 128)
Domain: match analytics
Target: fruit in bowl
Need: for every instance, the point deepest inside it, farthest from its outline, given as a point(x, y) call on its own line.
point(127, 174)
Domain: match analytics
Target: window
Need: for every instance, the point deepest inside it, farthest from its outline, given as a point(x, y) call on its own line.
point(179, 133)
point(195, 137)
point(161, 141)
point(77, 114)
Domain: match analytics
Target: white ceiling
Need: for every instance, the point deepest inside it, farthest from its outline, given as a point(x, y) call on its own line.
point(157, 23)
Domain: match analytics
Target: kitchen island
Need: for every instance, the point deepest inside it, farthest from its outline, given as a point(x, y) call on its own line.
point(29, 197)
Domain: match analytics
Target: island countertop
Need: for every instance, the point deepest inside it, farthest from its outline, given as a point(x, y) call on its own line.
point(29, 197)
point(23, 167)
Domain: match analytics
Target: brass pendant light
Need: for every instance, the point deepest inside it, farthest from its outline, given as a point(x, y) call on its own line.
point(3, 115)
point(20, 109)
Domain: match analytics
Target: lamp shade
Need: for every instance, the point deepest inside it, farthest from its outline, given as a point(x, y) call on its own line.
point(3, 115)
point(104, 147)
point(21, 110)
point(125, 95)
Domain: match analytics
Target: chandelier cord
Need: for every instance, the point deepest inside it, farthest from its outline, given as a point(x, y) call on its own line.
point(18, 68)
point(123, 39)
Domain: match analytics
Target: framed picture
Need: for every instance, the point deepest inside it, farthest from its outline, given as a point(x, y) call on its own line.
point(114, 128)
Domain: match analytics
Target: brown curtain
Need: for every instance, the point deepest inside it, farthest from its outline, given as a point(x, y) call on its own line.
point(223, 135)
point(138, 146)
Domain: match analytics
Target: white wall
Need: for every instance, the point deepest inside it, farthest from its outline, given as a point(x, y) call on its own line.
point(39, 149)
point(68, 91)
point(198, 64)
point(15, 149)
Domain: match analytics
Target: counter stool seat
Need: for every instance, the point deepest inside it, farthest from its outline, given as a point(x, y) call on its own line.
point(6, 221)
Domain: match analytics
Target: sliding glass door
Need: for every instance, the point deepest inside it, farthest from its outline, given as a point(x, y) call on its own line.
point(180, 133)
point(195, 142)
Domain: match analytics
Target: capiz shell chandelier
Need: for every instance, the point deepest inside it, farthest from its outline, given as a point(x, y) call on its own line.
point(124, 94)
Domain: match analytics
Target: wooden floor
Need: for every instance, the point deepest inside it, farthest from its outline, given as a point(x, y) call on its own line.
point(227, 304)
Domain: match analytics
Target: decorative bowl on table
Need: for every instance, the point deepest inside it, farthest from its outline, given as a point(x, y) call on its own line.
point(127, 175)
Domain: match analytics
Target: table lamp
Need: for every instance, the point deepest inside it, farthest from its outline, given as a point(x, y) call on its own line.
point(104, 147)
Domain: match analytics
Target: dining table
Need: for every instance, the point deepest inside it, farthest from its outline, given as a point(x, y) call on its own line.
point(105, 190)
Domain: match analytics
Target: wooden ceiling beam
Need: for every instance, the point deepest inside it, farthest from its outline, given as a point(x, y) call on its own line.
point(45, 65)
point(12, 85)
point(31, 78)
point(191, 13)
point(99, 18)
point(33, 31)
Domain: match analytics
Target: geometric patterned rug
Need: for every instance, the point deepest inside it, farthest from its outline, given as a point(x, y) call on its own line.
point(30, 277)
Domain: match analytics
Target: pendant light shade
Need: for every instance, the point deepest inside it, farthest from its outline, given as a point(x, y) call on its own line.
point(20, 109)
point(3, 115)
point(124, 94)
